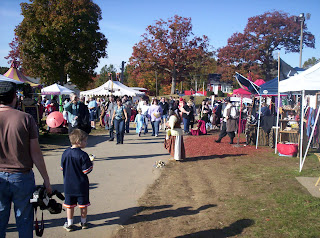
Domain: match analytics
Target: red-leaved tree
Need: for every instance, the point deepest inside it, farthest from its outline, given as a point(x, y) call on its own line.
point(14, 53)
point(254, 48)
point(170, 49)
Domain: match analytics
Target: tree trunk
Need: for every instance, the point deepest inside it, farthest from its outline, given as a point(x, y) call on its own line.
point(174, 80)
point(63, 78)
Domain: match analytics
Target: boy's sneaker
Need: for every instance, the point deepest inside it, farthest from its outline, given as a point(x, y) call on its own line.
point(84, 225)
point(68, 228)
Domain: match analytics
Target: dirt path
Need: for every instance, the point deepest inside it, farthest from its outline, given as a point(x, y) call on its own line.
point(189, 197)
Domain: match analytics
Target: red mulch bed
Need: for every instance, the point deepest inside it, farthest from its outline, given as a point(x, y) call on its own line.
point(202, 147)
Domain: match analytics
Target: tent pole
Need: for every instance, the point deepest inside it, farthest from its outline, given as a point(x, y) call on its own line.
point(239, 127)
point(301, 127)
point(257, 140)
point(278, 108)
point(313, 129)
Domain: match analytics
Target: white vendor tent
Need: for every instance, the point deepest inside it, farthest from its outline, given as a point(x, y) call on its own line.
point(55, 89)
point(308, 80)
point(112, 87)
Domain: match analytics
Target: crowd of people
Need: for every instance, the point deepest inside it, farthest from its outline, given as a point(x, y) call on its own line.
point(20, 148)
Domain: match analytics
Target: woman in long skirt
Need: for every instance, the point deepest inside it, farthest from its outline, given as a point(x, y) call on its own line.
point(174, 139)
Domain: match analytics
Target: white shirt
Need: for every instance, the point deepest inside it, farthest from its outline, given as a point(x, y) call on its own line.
point(233, 112)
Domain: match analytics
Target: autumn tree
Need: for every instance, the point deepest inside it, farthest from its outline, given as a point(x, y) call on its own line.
point(310, 62)
point(14, 53)
point(169, 48)
point(264, 35)
point(59, 37)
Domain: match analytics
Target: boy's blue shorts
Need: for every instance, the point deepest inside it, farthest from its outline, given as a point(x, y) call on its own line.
point(72, 201)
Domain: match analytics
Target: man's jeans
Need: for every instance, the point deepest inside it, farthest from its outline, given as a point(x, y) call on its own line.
point(155, 127)
point(145, 124)
point(111, 128)
point(128, 124)
point(119, 126)
point(17, 188)
point(186, 123)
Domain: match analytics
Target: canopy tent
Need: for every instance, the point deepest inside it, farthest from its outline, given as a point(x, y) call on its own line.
point(4, 78)
point(241, 92)
point(259, 82)
point(56, 89)
point(16, 74)
point(306, 80)
point(112, 87)
point(270, 88)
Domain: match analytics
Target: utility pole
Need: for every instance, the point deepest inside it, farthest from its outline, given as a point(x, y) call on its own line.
point(301, 18)
point(122, 70)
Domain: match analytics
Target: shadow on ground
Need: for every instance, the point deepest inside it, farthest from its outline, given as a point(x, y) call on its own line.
point(234, 229)
point(110, 218)
point(181, 211)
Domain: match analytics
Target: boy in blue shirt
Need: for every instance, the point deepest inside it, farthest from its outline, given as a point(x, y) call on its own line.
point(75, 165)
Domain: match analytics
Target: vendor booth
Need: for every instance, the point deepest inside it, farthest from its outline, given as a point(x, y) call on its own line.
point(306, 82)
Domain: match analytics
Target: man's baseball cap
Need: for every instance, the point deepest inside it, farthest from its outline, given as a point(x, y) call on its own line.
point(7, 88)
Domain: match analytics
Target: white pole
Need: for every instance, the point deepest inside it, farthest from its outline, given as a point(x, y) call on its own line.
point(203, 88)
point(278, 108)
point(196, 86)
point(257, 140)
point(301, 127)
point(313, 129)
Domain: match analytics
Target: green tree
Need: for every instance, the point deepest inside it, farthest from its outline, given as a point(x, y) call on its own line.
point(104, 74)
point(262, 37)
point(3, 70)
point(310, 62)
point(60, 37)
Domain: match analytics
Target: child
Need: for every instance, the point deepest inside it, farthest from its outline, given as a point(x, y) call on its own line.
point(139, 120)
point(76, 164)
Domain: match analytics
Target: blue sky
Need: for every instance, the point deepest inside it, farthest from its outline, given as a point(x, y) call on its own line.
point(125, 21)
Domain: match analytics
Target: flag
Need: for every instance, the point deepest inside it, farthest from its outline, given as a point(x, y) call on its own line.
point(286, 70)
point(244, 82)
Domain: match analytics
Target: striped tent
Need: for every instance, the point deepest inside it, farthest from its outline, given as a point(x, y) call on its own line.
point(15, 74)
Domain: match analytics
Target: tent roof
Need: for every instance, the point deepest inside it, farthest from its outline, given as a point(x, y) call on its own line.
point(56, 89)
point(270, 87)
point(111, 87)
point(306, 80)
point(16, 74)
point(259, 82)
point(4, 78)
point(241, 91)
